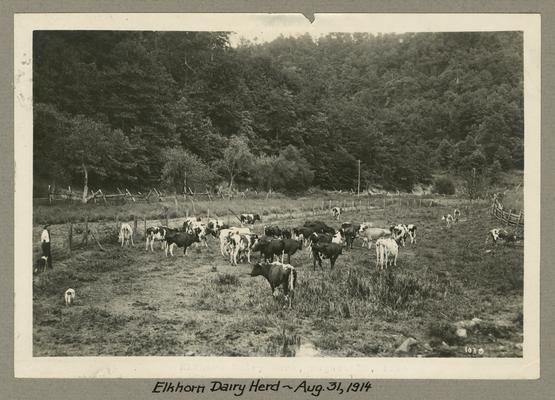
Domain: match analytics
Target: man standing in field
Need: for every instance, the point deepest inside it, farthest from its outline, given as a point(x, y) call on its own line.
point(45, 245)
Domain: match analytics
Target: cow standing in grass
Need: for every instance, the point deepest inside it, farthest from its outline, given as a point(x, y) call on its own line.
point(387, 251)
point(278, 275)
point(350, 232)
point(448, 219)
point(329, 251)
point(180, 239)
point(269, 248)
point(242, 243)
point(249, 218)
point(226, 245)
point(369, 234)
point(69, 297)
point(336, 212)
point(158, 234)
point(126, 234)
point(290, 247)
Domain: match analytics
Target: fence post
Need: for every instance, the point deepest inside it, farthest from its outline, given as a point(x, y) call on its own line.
point(187, 213)
point(330, 205)
point(144, 220)
point(208, 213)
point(70, 236)
point(86, 234)
point(519, 218)
point(193, 203)
point(134, 224)
point(176, 204)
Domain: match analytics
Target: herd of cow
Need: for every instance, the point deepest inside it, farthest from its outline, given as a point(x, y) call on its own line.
point(321, 241)
point(237, 243)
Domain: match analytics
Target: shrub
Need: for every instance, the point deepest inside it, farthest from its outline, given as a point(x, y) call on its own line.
point(226, 279)
point(444, 185)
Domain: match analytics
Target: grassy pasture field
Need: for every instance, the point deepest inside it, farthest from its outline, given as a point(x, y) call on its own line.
point(131, 302)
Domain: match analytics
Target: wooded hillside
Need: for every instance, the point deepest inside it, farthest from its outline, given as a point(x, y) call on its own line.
point(175, 108)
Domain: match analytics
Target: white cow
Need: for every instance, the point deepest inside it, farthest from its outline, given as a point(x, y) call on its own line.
point(69, 296)
point(387, 251)
point(367, 234)
point(125, 234)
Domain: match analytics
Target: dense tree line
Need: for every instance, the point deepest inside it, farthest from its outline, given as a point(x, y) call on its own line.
point(188, 109)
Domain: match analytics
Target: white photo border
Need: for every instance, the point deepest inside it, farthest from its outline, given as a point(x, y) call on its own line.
point(527, 367)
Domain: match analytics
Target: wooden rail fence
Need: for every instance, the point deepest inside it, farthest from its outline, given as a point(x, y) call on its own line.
point(508, 217)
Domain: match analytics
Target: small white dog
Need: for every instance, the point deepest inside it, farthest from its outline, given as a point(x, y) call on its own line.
point(69, 297)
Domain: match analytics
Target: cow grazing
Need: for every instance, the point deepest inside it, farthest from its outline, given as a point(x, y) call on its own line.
point(241, 243)
point(329, 251)
point(336, 212)
point(350, 232)
point(125, 234)
point(69, 297)
point(368, 234)
point(180, 239)
point(456, 215)
point(448, 219)
point(319, 227)
point(269, 248)
point(278, 275)
point(500, 234)
point(157, 233)
point(387, 251)
point(290, 247)
point(249, 218)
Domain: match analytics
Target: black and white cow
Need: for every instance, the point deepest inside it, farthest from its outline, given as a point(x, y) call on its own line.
point(157, 234)
point(497, 234)
point(241, 243)
point(249, 218)
point(448, 219)
point(336, 212)
point(400, 233)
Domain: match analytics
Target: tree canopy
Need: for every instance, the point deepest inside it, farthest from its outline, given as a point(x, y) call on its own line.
point(286, 114)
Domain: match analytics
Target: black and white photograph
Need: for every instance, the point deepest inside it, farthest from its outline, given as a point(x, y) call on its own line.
point(347, 193)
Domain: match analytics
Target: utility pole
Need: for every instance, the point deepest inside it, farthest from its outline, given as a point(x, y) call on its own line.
point(358, 186)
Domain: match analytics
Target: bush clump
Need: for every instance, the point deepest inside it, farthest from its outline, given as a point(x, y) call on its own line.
point(444, 185)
